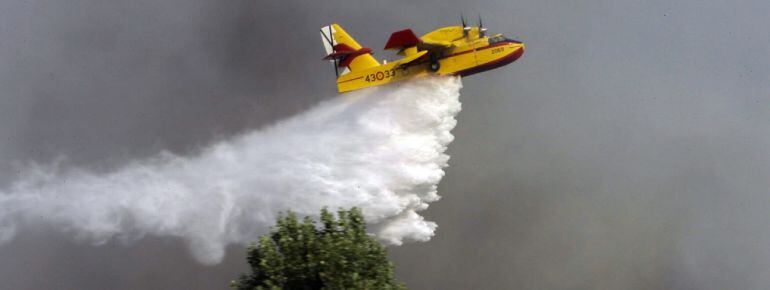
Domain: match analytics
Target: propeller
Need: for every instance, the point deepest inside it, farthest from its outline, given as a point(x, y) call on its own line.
point(466, 28)
point(482, 30)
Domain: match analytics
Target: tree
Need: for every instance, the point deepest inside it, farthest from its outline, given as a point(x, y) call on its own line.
point(338, 255)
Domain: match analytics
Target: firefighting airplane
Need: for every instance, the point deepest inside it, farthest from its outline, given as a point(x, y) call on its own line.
point(452, 50)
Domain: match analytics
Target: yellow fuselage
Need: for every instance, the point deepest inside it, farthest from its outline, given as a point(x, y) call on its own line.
point(467, 55)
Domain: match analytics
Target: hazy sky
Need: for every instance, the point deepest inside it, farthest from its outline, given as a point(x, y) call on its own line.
point(628, 149)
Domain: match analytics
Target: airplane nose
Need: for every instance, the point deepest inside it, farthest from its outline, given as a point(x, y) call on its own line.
point(518, 52)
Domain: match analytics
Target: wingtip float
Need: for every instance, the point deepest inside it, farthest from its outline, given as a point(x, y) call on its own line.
point(452, 50)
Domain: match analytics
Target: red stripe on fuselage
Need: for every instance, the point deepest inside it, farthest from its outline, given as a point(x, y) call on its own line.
point(477, 49)
point(350, 80)
point(493, 45)
point(459, 53)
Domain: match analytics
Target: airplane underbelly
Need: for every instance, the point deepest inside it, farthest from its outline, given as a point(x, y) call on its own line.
point(494, 56)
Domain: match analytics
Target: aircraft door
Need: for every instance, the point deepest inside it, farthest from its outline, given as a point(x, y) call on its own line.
point(476, 45)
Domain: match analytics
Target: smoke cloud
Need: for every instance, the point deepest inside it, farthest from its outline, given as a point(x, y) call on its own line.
point(380, 149)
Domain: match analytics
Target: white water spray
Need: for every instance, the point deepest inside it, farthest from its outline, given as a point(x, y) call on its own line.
point(380, 149)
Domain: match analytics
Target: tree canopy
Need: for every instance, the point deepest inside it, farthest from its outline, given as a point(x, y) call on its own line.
point(337, 255)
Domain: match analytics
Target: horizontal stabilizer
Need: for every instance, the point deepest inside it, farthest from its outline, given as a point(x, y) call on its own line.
point(345, 54)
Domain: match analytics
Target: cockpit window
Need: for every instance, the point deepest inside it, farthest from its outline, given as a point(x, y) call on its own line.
point(500, 38)
point(496, 39)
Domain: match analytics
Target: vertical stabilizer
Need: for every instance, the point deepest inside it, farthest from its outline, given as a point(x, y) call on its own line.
point(344, 52)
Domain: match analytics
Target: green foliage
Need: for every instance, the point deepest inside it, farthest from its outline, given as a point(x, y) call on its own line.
point(299, 255)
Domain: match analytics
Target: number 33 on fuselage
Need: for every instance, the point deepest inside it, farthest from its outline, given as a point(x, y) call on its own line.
point(453, 50)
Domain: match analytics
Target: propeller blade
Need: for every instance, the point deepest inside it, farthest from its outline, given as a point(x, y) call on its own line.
point(482, 30)
point(466, 29)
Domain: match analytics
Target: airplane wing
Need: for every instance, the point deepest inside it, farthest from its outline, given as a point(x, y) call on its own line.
point(432, 44)
point(404, 39)
point(411, 58)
